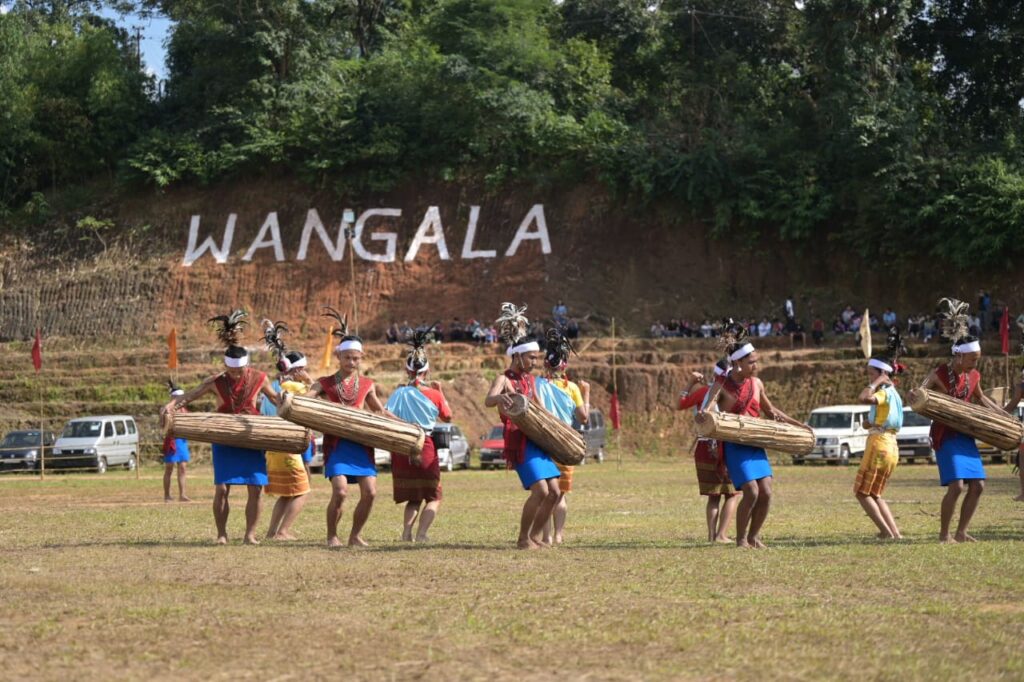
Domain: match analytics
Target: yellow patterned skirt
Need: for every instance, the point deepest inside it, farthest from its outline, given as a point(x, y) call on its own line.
point(286, 475)
point(881, 455)
point(565, 480)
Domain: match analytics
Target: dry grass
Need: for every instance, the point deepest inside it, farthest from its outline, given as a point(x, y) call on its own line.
point(100, 579)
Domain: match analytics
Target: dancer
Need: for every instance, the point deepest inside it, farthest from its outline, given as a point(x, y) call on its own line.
point(236, 388)
point(882, 453)
point(417, 480)
point(570, 403)
point(1011, 408)
point(960, 466)
point(741, 392)
point(286, 472)
point(176, 456)
point(537, 472)
point(346, 462)
point(712, 476)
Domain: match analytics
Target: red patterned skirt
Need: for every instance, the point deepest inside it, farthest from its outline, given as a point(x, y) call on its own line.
point(712, 476)
point(414, 483)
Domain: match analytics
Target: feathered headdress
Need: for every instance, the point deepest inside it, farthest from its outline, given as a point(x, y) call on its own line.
point(955, 324)
point(272, 337)
point(734, 335)
point(894, 345)
point(416, 361)
point(512, 323)
point(558, 348)
point(341, 322)
point(174, 389)
point(229, 327)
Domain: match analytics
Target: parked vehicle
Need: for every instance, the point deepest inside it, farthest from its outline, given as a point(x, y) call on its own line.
point(491, 447)
point(839, 434)
point(594, 434)
point(97, 443)
point(24, 450)
point(452, 447)
point(913, 439)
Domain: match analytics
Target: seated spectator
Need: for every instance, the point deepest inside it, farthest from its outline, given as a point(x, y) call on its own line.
point(914, 326)
point(405, 331)
point(797, 334)
point(873, 324)
point(706, 329)
point(928, 329)
point(818, 331)
point(838, 327)
point(854, 326)
point(672, 329)
point(561, 313)
point(765, 328)
point(847, 316)
point(777, 327)
point(572, 329)
point(393, 334)
point(975, 325)
point(438, 335)
point(657, 330)
point(456, 330)
point(889, 318)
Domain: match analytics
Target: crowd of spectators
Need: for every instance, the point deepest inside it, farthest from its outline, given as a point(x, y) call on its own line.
point(476, 331)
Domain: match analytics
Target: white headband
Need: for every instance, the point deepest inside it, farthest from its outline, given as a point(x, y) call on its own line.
point(351, 344)
point(289, 365)
point(421, 370)
point(523, 348)
point(176, 392)
point(969, 347)
point(719, 372)
point(745, 350)
point(878, 364)
point(235, 363)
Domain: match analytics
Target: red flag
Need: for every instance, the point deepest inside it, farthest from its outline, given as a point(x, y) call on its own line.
point(613, 412)
point(172, 350)
point(1004, 330)
point(37, 351)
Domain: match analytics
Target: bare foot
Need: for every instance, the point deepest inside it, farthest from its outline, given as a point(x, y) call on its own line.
point(422, 540)
point(221, 540)
point(964, 537)
point(184, 499)
point(1019, 498)
point(724, 540)
point(168, 499)
point(527, 543)
point(251, 540)
point(407, 537)
point(946, 540)
point(559, 539)
point(742, 542)
point(284, 537)
point(756, 543)
point(333, 542)
point(357, 541)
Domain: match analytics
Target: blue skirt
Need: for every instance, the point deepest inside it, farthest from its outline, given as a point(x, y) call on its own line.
point(536, 466)
point(180, 454)
point(959, 460)
point(238, 466)
point(307, 456)
point(351, 460)
point(746, 463)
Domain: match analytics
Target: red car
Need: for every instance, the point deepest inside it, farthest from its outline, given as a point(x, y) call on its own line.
point(491, 448)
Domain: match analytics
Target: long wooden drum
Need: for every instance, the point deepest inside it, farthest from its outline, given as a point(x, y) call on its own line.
point(565, 445)
point(994, 428)
point(359, 426)
point(256, 432)
point(755, 432)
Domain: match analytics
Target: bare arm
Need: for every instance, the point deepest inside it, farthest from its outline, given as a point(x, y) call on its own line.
point(932, 381)
point(867, 396)
point(1018, 394)
point(315, 391)
point(197, 392)
point(267, 389)
point(715, 393)
point(444, 415)
point(583, 411)
point(498, 394)
point(983, 400)
point(774, 412)
point(374, 404)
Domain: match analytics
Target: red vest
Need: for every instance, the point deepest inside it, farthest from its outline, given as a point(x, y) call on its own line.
point(515, 440)
point(969, 382)
point(329, 387)
point(239, 397)
point(745, 403)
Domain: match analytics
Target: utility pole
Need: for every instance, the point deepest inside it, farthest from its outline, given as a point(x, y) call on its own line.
point(348, 217)
point(138, 47)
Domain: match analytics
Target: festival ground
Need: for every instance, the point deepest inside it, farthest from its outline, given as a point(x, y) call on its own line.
point(98, 575)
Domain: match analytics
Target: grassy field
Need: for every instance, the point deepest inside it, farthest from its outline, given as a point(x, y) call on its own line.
point(100, 579)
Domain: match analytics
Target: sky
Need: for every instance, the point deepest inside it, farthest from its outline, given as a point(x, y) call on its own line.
point(155, 31)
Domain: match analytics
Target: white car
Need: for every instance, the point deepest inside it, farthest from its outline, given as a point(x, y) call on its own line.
point(839, 434)
point(97, 443)
point(381, 458)
point(913, 439)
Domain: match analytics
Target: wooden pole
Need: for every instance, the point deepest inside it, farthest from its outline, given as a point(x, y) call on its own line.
point(349, 217)
point(42, 457)
point(615, 392)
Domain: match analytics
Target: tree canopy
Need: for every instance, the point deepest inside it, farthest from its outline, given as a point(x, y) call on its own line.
point(878, 125)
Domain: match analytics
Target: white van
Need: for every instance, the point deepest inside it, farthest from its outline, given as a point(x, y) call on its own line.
point(839, 433)
point(97, 443)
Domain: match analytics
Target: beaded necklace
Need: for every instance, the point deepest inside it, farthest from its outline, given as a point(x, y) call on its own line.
point(954, 383)
point(348, 390)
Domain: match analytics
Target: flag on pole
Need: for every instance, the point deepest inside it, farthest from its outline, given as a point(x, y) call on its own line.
point(613, 412)
point(1004, 330)
point(326, 362)
point(172, 350)
point(865, 333)
point(37, 351)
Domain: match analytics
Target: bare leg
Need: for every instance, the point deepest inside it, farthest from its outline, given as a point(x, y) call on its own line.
point(339, 491)
point(974, 490)
point(558, 518)
point(871, 506)
point(711, 515)
point(182, 469)
point(221, 510)
point(252, 513)
point(953, 491)
point(168, 468)
point(725, 518)
point(760, 512)
point(538, 493)
point(367, 492)
point(544, 510)
point(276, 516)
point(1020, 475)
point(427, 518)
point(291, 512)
point(412, 510)
point(744, 511)
point(890, 521)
